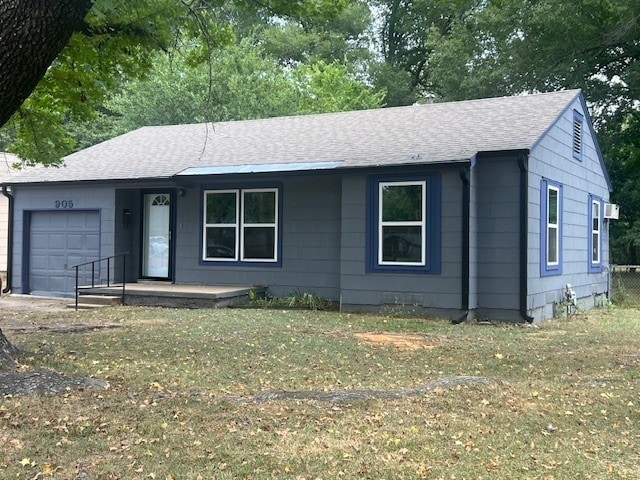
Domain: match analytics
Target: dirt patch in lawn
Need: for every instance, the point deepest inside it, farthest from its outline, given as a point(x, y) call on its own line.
point(27, 314)
point(23, 314)
point(403, 341)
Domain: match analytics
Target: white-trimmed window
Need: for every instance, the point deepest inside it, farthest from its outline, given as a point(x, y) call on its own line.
point(595, 234)
point(595, 231)
point(553, 225)
point(550, 228)
point(241, 225)
point(402, 223)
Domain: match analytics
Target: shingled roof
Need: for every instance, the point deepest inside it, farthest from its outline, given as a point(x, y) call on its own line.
point(420, 134)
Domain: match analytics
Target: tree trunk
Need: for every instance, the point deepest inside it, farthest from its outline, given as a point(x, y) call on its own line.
point(32, 34)
point(7, 352)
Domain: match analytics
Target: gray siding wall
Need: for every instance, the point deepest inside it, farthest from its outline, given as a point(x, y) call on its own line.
point(310, 242)
point(498, 237)
point(127, 237)
point(361, 290)
point(44, 198)
point(552, 159)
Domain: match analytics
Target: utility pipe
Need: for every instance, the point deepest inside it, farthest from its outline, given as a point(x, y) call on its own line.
point(523, 164)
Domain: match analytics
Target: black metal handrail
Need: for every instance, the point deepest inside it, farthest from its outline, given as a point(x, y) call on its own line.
point(93, 272)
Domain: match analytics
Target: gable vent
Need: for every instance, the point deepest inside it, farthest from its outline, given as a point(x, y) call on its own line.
point(578, 119)
point(577, 136)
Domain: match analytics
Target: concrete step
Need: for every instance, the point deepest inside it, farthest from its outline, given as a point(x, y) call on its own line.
point(88, 302)
point(100, 299)
point(86, 306)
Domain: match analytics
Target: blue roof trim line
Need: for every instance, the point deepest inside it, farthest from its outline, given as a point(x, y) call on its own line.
point(259, 168)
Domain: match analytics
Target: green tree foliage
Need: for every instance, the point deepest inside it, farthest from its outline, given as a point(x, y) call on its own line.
point(327, 87)
point(480, 48)
point(344, 37)
point(405, 29)
point(241, 82)
point(522, 45)
point(118, 42)
point(621, 140)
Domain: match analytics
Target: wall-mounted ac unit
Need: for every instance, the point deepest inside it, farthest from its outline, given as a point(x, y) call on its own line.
point(611, 211)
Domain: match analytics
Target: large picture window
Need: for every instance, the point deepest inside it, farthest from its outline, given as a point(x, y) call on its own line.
point(241, 225)
point(403, 225)
point(550, 228)
point(595, 234)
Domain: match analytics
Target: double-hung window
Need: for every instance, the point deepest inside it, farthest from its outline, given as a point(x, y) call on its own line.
point(595, 234)
point(550, 228)
point(402, 220)
point(404, 224)
point(241, 225)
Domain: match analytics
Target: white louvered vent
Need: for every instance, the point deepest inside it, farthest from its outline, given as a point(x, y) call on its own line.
point(577, 136)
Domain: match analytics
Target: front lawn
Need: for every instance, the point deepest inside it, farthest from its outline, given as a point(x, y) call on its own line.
point(180, 399)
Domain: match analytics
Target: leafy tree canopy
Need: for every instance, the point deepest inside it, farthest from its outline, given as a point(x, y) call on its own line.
point(117, 42)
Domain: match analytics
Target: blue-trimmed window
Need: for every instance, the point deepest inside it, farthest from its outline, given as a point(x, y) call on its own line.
point(241, 225)
point(595, 234)
point(550, 228)
point(576, 146)
point(403, 224)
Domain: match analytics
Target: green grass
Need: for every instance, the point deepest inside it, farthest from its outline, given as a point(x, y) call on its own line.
point(570, 409)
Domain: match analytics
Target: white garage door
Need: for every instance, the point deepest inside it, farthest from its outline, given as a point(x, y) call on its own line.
point(59, 240)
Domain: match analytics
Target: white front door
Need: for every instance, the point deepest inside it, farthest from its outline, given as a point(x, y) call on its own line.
point(156, 235)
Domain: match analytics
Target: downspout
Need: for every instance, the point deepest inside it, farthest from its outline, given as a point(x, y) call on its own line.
point(464, 254)
point(6, 193)
point(523, 163)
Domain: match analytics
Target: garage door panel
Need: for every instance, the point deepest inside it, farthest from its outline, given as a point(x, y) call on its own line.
point(93, 222)
point(40, 263)
point(93, 242)
point(57, 262)
point(58, 221)
point(58, 284)
point(39, 283)
point(75, 242)
point(59, 240)
point(39, 241)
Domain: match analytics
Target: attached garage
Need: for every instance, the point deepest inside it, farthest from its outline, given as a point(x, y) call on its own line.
point(55, 241)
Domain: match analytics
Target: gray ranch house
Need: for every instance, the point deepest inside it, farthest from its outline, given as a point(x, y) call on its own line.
point(484, 208)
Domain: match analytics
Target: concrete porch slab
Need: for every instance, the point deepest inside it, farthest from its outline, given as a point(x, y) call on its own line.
point(163, 294)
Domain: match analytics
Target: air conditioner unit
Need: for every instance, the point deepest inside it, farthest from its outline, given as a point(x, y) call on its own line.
point(611, 211)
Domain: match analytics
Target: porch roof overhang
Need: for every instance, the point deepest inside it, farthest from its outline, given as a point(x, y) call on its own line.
point(337, 166)
point(259, 168)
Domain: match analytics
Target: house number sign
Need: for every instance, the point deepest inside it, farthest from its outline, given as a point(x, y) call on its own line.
point(63, 203)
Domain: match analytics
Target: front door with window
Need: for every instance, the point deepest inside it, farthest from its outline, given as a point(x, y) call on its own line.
point(156, 235)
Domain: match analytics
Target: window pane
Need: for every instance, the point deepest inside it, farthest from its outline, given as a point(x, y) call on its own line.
point(595, 250)
point(595, 216)
point(552, 245)
point(259, 243)
point(402, 203)
point(221, 208)
point(402, 244)
point(553, 206)
point(221, 242)
point(259, 207)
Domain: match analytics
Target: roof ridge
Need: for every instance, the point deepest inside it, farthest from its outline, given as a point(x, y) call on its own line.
point(364, 110)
